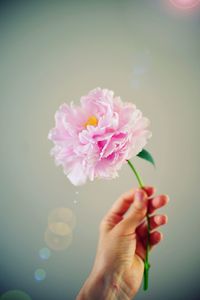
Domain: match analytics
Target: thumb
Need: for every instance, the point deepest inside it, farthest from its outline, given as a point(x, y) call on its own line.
point(137, 212)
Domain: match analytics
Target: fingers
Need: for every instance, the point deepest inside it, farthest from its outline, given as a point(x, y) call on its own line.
point(118, 209)
point(121, 206)
point(155, 238)
point(155, 222)
point(150, 190)
point(157, 202)
point(137, 212)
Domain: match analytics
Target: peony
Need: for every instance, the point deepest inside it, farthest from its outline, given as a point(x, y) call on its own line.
point(95, 139)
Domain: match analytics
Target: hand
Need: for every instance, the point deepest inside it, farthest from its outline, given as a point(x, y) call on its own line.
point(119, 263)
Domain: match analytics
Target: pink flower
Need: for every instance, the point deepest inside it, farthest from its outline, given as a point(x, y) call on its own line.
point(95, 139)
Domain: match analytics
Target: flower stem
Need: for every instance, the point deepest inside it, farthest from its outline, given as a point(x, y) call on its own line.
point(136, 174)
point(146, 262)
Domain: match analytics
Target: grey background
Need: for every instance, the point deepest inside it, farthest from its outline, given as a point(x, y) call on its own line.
point(55, 51)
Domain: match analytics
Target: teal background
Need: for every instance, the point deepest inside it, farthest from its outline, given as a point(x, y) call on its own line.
point(52, 52)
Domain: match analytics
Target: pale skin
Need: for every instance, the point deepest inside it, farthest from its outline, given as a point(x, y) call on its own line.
point(118, 268)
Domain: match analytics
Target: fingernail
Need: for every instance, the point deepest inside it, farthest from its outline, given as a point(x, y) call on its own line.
point(159, 219)
point(140, 199)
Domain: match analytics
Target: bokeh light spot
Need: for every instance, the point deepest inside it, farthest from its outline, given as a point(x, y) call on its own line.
point(139, 70)
point(135, 83)
point(75, 201)
point(62, 215)
point(45, 253)
point(60, 228)
point(57, 242)
point(141, 64)
point(15, 295)
point(40, 274)
point(185, 4)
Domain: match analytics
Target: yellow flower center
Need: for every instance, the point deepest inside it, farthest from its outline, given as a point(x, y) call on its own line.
point(92, 120)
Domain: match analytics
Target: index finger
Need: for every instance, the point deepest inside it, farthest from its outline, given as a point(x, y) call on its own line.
point(150, 190)
point(121, 206)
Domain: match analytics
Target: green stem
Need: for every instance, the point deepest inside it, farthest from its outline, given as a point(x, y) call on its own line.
point(146, 262)
point(136, 174)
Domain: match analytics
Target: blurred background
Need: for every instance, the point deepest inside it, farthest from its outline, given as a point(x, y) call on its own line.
point(147, 52)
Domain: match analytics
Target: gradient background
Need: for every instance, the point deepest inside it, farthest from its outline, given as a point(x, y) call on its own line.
point(52, 52)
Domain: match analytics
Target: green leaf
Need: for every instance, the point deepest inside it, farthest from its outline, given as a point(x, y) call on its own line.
point(144, 154)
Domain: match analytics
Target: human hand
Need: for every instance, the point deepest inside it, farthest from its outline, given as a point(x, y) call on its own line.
point(119, 263)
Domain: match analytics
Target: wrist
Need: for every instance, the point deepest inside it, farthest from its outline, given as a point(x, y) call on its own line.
point(92, 287)
point(103, 285)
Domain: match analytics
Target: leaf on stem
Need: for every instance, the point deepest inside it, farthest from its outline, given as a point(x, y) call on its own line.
point(144, 154)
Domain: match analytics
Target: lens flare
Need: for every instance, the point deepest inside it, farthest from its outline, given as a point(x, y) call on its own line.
point(141, 65)
point(57, 242)
point(60, 228)
point(44, 253)
point(40, 274)
point(61, 215)
point(75, 201)
point(15, 295)
point(185, 4)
